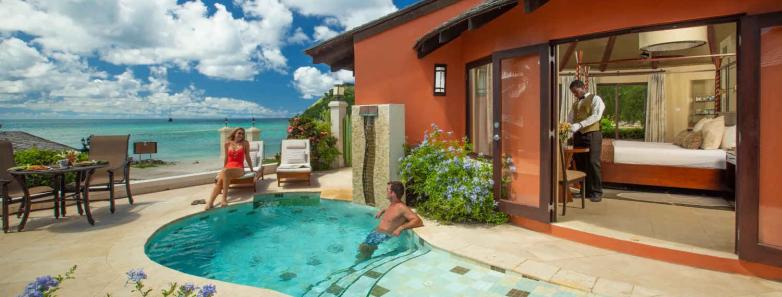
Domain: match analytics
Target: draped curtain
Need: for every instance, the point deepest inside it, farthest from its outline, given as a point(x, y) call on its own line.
point(655, 109)
point(481, 108)
point(566, 97)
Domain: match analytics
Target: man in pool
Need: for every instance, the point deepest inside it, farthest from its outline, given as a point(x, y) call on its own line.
point(393, 220)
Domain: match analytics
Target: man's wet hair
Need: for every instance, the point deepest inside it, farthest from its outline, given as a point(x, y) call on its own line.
point(398, 188)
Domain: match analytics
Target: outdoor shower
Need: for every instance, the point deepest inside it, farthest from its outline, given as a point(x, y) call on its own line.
point(378, 133)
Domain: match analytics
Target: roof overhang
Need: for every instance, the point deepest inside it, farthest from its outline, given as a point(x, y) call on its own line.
point(471, 19)
point(337, 52)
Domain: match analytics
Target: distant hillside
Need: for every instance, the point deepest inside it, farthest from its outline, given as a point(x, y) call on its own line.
point(320, 109)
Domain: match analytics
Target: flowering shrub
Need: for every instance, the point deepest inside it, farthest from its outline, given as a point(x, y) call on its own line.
point(46, 286)
point(323, 146)
point(458, 187)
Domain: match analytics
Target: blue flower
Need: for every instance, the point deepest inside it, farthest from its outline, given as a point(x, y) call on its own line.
point(39, 285)
point(136, 275)
point(188, 288)
point(207, 291)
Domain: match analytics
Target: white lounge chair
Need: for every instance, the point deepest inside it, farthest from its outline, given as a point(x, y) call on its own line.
point(256, 155)
point(294, 161)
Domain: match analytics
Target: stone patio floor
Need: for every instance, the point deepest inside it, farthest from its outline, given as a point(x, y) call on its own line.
point(115, 244)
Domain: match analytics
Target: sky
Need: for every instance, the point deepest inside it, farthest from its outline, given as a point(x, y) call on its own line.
point(155, 58)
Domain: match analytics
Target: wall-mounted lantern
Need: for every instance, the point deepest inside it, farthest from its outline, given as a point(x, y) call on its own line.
point(439, 79)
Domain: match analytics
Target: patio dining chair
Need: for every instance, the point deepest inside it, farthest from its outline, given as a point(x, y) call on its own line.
point(294, 161)
point(568, 177)
point(256, 156)
point(114, 149)
point(12, 193)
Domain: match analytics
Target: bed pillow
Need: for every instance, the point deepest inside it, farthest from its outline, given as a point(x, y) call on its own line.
point(699, 125)
point(729, 138)
point(693, 140)
point(712, 133)
point(680, 137)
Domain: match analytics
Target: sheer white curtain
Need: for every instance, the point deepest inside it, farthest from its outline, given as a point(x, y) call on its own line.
point(481, 109)
point(655, 108)
point(566, 97)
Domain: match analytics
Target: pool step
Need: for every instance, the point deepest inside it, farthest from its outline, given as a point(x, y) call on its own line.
point(359, 278)
point(363, 285)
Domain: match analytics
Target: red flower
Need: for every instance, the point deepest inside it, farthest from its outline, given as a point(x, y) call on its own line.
point(290, 129)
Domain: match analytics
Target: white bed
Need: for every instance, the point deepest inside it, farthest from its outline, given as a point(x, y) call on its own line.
point(666, 154)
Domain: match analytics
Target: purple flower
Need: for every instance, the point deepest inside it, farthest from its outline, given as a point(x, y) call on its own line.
point(40, 285)
point(207, 291)
point(136, 275)
point(187, 288)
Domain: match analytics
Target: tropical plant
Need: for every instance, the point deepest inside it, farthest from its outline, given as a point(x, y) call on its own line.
point(454, 186)
point(323, 146)
point(35, 156)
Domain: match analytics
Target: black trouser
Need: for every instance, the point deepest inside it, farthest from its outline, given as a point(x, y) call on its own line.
point(590, 162)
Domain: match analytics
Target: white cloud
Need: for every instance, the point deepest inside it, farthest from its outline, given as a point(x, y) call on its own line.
point(312, 83)
point(349, 13)
point(158, 32)
point(68, 85)
point(323, 33)
point(298, 37)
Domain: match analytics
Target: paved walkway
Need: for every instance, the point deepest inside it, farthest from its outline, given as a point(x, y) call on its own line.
point(580, 266)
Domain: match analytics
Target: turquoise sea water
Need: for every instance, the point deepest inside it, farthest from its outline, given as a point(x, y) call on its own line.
point(295, 243)
point(180, 140)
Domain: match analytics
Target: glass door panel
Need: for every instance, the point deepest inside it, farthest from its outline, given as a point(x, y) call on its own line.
point(770, 208)
point(759, 104)
point(480, 91)
point(523, 159)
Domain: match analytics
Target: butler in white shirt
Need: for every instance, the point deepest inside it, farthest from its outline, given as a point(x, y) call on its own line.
point(584, 117)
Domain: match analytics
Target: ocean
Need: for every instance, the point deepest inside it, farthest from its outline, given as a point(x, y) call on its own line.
point(180, 140)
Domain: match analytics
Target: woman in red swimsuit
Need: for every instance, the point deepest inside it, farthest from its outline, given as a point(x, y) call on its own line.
point(237, 150)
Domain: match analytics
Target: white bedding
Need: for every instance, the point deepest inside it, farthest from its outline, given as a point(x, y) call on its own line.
point(668, 154)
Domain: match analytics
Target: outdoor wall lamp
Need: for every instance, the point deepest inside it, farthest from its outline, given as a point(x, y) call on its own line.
point(439, 79)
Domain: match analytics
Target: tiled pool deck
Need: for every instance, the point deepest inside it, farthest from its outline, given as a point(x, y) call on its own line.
point(115, 244)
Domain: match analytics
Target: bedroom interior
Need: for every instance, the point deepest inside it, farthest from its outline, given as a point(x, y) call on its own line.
point(669, 136)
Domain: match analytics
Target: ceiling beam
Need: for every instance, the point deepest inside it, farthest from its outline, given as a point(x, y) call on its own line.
point(568, 54)
point(660, 58)
point(607, 53)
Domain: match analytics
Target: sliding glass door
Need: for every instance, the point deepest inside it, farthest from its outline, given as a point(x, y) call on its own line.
point(759, 205)
point(523, 134)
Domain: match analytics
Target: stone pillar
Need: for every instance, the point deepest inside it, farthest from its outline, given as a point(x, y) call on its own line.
point(338, 111)
point(224, 132)
point(253, 134)
point(384, 158)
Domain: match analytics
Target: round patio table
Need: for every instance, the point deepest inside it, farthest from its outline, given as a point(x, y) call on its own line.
point(82, 185)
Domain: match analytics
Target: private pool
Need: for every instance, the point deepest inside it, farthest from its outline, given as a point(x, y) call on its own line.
point(301, 245)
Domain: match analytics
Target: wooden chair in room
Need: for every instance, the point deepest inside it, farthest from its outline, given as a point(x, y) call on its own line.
point(568, 177)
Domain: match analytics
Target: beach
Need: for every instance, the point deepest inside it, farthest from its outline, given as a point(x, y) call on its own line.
point(193, 145)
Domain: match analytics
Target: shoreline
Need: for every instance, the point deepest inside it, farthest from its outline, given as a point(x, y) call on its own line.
point(181, 167)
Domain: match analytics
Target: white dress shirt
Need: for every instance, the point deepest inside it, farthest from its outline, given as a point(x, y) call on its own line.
point(597, 112)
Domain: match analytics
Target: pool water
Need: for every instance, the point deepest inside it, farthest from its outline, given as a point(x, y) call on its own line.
point(294, 243)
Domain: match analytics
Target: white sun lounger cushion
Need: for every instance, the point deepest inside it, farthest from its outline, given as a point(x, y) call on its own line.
point(296, 144)
point(296, 157)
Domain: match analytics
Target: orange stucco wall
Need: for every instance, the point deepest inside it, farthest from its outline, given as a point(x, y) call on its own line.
point(388, 71)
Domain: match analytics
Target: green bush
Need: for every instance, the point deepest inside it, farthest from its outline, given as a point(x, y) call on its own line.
point(625, 133)
point(323, 146)
point(35, 156)
point(456, 187)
